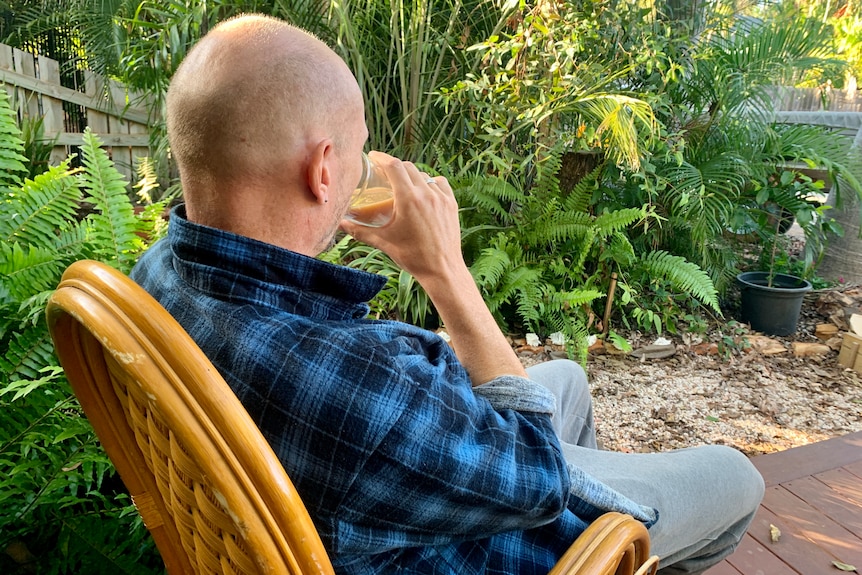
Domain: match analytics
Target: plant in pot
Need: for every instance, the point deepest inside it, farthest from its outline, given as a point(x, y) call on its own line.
point(771, 297)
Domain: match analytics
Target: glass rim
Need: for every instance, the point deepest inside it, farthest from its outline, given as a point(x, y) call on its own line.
point(366, 172)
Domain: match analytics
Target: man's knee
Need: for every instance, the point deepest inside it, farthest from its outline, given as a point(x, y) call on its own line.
point(743, 478)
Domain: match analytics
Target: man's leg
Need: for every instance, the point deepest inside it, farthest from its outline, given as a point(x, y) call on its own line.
point(573, 420)
point(706, 496)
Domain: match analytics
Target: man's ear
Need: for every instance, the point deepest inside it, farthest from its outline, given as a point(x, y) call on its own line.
point(320, 170)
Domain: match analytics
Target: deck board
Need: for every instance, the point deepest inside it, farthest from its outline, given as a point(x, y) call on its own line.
point(814, 497)
point(830, 501)
point(752, 557)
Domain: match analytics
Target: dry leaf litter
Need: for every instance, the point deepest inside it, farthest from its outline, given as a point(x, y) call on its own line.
point(759, 394)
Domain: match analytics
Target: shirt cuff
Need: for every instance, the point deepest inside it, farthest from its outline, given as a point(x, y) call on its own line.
point(517, 393)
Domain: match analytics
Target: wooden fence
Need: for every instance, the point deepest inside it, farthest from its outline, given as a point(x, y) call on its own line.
point(118, 117)
point(818, 99)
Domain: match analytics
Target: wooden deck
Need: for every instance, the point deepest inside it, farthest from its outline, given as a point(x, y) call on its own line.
point(814, 497)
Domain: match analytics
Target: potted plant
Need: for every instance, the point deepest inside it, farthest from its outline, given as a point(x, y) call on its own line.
point(771, 301)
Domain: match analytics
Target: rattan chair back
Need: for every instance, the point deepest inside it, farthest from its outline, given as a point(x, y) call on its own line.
point(205, 481)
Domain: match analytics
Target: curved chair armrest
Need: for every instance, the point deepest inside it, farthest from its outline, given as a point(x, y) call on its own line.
point(614, 544)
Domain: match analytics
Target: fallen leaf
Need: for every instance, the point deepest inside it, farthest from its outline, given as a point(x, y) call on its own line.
point(843, 566)
point(774, 533)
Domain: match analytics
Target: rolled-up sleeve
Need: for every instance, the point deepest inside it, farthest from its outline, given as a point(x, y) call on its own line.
point(518, 393)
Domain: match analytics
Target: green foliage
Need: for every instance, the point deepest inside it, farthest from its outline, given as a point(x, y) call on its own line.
point(402, 53)
point(539, 83)
point(787, 197)
point(59, 497)
point(550, 256)
point(719, 144)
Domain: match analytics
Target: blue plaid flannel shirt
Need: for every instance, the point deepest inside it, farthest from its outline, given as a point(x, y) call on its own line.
point(404, 467)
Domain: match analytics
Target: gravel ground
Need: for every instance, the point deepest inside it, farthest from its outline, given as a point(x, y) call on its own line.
point(759, 396)
point(754, 403)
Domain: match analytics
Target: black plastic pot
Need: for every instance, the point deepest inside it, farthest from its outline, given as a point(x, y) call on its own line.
point(772, 310)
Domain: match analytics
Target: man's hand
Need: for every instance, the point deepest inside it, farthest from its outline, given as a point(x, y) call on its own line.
point(424, 238)
point(424, 235)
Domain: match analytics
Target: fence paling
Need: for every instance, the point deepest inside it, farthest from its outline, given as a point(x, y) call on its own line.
point(35, 89)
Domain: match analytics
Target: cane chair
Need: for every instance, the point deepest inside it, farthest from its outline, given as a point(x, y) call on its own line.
point(206, 483)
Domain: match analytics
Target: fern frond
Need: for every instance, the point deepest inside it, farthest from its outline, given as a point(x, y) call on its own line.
point(70, 244)
point(12, 158)
point(683, 275)
point(619, 250)
point(114, 226)
point(547, 181)
point(28, 353)
point(573, 299)
point(105, 544)
point(521, 280)
point(580, 198)
point(494, 195)
point(528, 297)
point(35, 212)
point(25, 271)
point(586, 246)
point(489, 267)
point(148, 180)
point(613, 222)
point(558, 226)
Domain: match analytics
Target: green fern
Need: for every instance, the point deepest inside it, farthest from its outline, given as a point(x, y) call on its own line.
point(41, 207)
point(683, 275)
point(12, 159)
point(52, 468)
point(555, 226)
point(114, 228)
point(494, 262)
point(489, 194)
point(25, 270)
point(612, 223)
point(581, 196)
point(27, 354)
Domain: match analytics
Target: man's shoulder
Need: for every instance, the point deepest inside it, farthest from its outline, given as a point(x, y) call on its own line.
point(153, 262)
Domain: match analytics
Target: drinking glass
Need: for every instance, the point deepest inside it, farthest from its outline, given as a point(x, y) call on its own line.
point(372, 201)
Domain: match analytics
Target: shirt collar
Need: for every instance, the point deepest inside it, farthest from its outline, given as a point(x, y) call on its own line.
point(289, 275)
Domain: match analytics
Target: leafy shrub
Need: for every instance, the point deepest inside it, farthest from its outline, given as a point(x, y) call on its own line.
point(62, 510)
point(550, 255)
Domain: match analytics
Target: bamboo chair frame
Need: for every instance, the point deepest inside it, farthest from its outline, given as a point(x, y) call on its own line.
point(206, 483)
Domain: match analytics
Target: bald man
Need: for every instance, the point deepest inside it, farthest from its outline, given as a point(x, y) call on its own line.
point(412, 456)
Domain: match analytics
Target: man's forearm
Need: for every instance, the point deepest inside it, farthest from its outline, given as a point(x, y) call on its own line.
point(478, 342)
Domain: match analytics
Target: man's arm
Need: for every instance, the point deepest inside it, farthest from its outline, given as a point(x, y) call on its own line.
point(424, 238)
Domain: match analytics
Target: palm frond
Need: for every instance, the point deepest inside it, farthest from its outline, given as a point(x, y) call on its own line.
point(621, 122)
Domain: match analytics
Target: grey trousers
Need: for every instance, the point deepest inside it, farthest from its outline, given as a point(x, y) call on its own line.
point(706, 496)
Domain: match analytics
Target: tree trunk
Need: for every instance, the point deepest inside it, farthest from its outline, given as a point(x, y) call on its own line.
point(843, 258)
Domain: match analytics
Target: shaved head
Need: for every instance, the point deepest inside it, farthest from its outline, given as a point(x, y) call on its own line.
point(248, 101)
